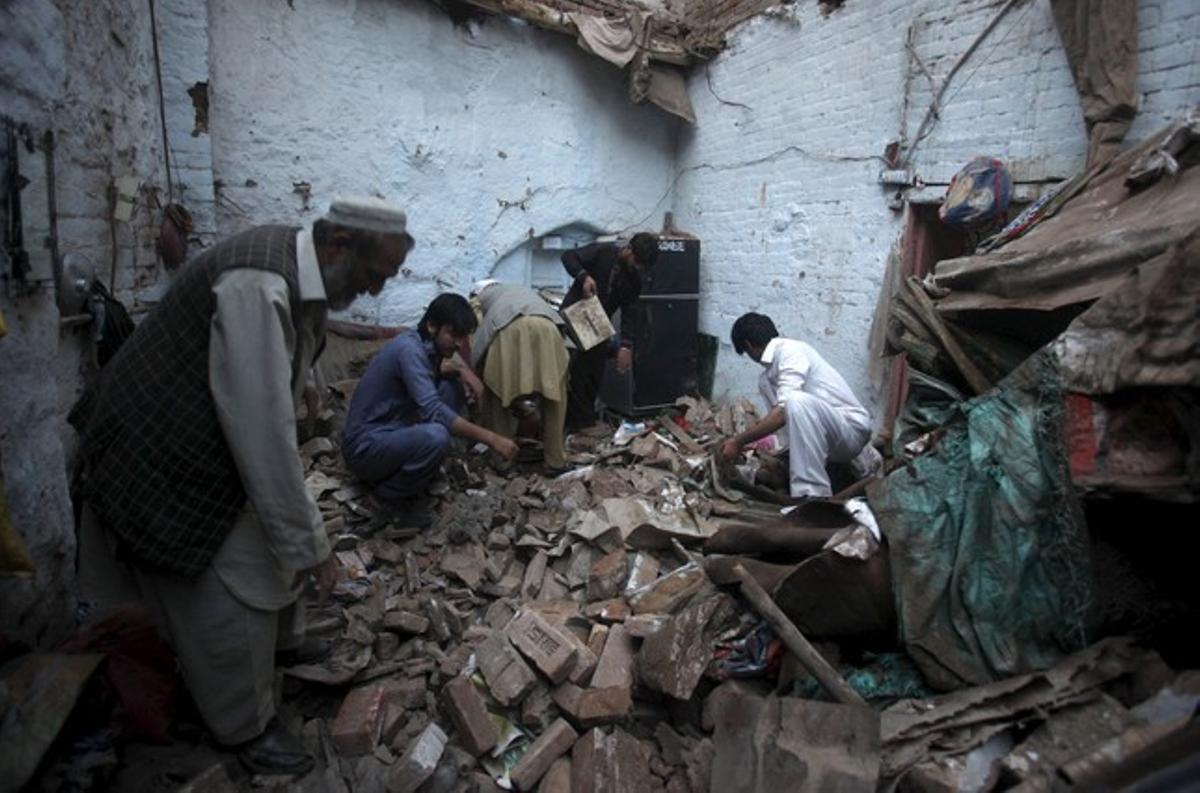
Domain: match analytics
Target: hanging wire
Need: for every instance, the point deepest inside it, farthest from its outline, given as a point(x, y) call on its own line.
point(162, 105)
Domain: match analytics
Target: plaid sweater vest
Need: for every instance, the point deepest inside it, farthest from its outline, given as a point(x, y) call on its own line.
point(157, 469)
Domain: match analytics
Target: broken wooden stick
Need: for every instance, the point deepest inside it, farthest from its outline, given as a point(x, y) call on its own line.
point(794, 640)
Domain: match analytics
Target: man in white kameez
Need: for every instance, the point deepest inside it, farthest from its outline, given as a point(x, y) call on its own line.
point(805, 395)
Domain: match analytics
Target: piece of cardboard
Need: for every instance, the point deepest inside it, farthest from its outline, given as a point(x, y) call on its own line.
point(588, 323)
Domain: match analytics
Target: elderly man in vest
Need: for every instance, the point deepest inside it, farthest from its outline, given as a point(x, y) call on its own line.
point(193, 489)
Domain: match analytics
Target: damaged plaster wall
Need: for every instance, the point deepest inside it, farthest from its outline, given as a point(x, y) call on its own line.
point(183, 44)
point(84, 71)
point(779, 178)
point(485, 135)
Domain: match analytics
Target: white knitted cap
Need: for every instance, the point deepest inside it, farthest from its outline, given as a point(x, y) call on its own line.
point(367, 214)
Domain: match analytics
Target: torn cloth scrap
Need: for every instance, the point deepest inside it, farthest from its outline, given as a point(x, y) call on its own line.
point(614, 40)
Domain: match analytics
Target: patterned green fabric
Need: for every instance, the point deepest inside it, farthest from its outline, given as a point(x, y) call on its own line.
point(987, 542)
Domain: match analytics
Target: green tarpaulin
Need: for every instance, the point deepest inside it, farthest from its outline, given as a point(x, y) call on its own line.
point(987, 544)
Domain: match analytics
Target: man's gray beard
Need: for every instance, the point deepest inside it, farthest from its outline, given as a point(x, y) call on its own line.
point(338, 291)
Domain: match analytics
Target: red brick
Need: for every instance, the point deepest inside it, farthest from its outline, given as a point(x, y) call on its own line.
point(476, 730)
point(360, 720)
point(542, 753)
point(543, 644)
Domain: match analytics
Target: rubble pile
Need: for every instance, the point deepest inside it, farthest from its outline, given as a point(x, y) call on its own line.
point(539, 635)
point(577, 633)
point(643, 623)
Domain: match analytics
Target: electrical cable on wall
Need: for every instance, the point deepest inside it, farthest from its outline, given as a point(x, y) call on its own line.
point(162, 109)
point(822, 156)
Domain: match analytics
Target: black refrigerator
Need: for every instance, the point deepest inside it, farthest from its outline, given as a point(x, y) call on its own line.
point(664, 323)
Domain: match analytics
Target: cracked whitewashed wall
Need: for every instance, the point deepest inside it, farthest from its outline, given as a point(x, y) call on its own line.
point(486, 135)
point(780, 176)
point(85, 72)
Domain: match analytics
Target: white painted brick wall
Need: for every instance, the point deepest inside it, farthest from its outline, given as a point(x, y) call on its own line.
point(791, 230)
point(389, 98)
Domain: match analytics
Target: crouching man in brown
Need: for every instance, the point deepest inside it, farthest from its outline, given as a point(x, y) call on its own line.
point(194, 496)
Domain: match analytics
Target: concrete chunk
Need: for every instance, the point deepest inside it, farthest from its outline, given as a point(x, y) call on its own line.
point(543, 644)
point(542, 753)
point(477, 732)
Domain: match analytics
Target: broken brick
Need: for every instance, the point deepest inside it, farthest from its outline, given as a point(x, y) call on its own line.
point(641, 626)
point(674, 658)
point(509, 584)
point(477, 731)
point(607, 576)
point(666, 594)
point(609, 540)
point(541, 754)
point(437, 620)
point(587, 763)
point(408, 694)
point(543, 644)
point(601, 763)
point(643, 570)
point(616, 610)
point(531, 584)
point(419, 761)
point(615, 667)
point(596, 639)
point(405, 622)
point(537, 710)
point(465, 565)
point(591, 707)
point(552, 588)
point(359, 720)
point(507, 676)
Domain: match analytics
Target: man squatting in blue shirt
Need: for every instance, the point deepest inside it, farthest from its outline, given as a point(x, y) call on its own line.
point(407, 406)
